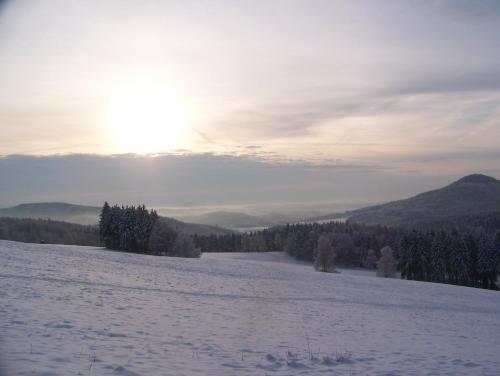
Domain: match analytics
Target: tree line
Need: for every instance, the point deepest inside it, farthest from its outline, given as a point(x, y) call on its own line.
point(48, 231)
point(355, 244)
point(467, 255)
point(469, 258)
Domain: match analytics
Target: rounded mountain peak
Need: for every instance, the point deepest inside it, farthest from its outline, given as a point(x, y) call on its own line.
point(477, 179)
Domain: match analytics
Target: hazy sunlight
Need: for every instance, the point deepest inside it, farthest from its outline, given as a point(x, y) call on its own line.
point(147, 119)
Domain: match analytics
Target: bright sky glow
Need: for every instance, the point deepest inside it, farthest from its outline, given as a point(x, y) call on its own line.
point(146, 119)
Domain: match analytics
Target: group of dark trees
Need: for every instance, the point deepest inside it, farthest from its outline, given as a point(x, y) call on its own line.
point(126, 228)
point(469, 258)
point(135, 229)
point(268, 240)
point(47, 231)
point(355, 245)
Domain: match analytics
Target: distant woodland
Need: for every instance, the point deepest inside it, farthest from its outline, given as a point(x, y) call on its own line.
point(47, 231)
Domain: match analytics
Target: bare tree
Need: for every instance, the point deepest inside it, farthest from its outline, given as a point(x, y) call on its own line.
point(386, 265)
point(370, 261)
point(325, 258)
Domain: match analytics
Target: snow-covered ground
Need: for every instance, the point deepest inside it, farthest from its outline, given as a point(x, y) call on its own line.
point(85, 311)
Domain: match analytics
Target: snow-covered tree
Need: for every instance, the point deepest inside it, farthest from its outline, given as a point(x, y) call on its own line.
point(184, 247)
point(386, 265)
point(162, 239)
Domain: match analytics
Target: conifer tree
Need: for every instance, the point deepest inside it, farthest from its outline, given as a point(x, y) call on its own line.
point(370, 261)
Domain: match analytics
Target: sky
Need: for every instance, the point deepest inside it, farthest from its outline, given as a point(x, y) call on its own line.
point(361, 101)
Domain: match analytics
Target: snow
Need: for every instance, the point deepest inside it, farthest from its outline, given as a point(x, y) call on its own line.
point(67, 310)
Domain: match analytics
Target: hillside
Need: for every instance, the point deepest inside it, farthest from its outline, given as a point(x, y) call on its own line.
point(227, 219)
point(81, 310)
point(48, 231)
point(57, 211)
point(195, 228)
point(473, 194)
point(239, 220)
point(89, 215)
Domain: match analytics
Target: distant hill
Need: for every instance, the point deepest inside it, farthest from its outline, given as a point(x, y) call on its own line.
point(47, 231)
point(89, 215)
point(473, 194)
point(238, 220)
point(196, 228)
point(226, 219)
point(57, 211)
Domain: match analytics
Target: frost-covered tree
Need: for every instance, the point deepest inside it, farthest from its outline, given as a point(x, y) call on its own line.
point(386, 265)
point(162, 239)
point(166, 241)
point(325, 256)
point(184, 247)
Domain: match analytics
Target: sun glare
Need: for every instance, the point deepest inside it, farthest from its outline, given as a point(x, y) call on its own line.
point(147, 120)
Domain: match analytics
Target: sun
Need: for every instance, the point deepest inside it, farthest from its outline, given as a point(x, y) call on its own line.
point(147, 119)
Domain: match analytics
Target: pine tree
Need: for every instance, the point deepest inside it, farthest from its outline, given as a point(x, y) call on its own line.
point(291, 244)
point(459, 259)
point(370, 261)
point(105, 224)
point(438, 257)
point(487, 261)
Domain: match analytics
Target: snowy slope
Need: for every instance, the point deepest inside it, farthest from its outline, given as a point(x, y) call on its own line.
point(67, 310)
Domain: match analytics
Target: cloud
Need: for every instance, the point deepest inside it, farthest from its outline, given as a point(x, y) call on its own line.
point(211, 179)
point(169, 179)
point(473, 9)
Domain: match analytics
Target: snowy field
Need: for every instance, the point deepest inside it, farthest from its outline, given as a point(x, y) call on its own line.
point(84, 311)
